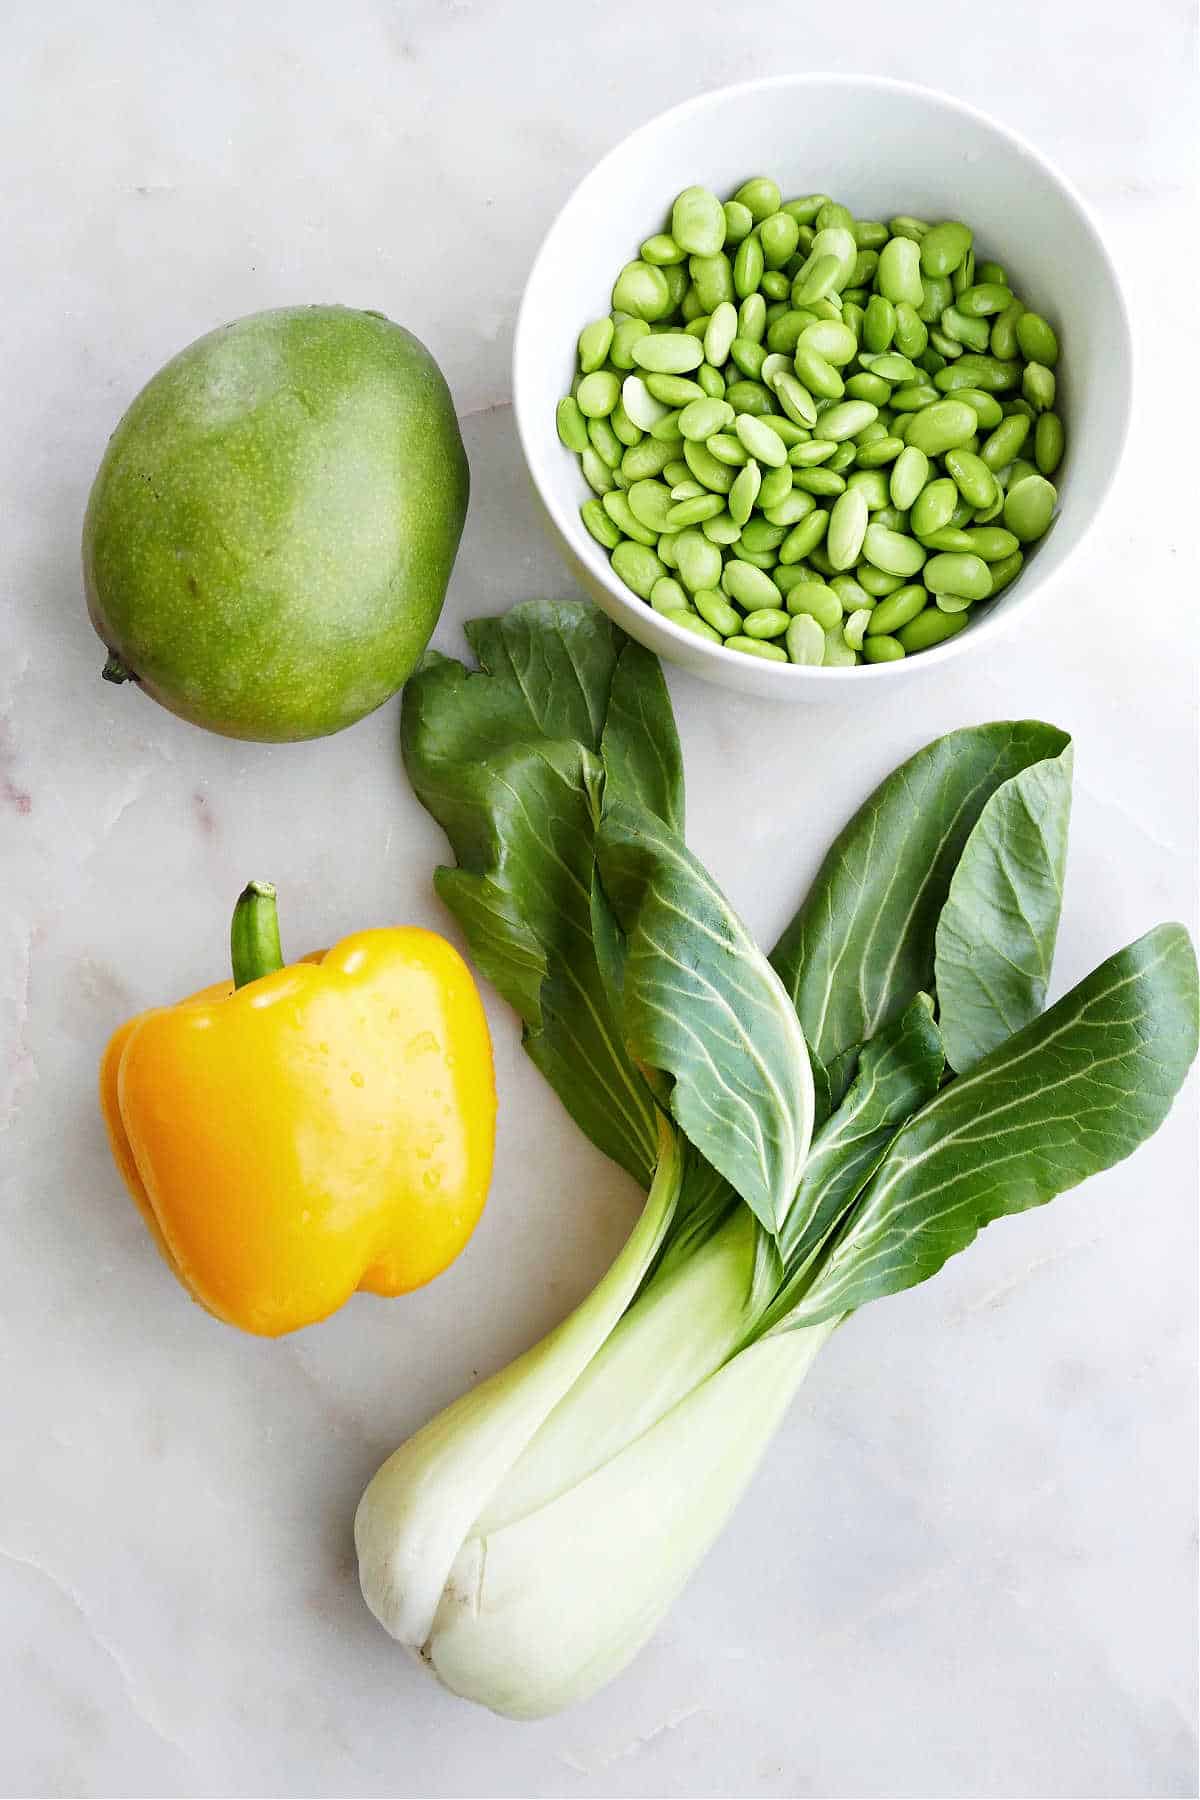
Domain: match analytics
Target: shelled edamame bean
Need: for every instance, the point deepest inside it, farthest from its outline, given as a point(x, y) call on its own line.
point(812, 437)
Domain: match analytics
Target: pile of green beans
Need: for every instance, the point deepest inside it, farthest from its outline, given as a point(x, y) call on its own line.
point(810, 437)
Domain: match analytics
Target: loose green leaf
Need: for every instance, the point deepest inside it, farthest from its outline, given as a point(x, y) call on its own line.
point(640, 745)
point(841, 1073)
point(898, 1072)
point(701, 1002)
point(1069, 1095)
point(506, 950)
point(823, 1102)
point(548, 669)
point(995, 938)
point(509, 763)
point(862, 945)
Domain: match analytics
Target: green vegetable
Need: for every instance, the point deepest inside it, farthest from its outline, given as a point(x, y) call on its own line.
point(650, 503)
point(744, 492)
point(598, 393)
point(874, 582)
point(602, 528)
point(911, 399)
point(1048, 443)
point(760, 441)
point(666, 596)
point(803, 538)
point(692, 622)
point(625, 334)
point(873, 484)
point(662, 249)
point(911, 334)
point(986, 372)
point(749, 586)
point(1006, 570)
point(698, 222)
point(897, 609)
point(674, 391)
point(971, 334)
point(699, 561)
point(596, 472)
point(991, 542)
point(272, 527)
point(774, 489)
point(855, 626)
point(811, 1133)
point(572, 426)
point(875, 452)
point(617, 506)
point(767, 622)
point(707, 467)
point(838, 423)
point(607, 444)
point(982, 300)
point(702, 419)
point(638, 566)
point(795, 399)
point(668, 352)
point(716, 611)
point(712, 277)
point(892, 551)
point(1029, 507)
point(944, 247)
point(1005, 442)
point(960, 573)
point(972, 477)
point(739, 220)
point(848, 527)
point(800, 393)
point(759, 196)
point(817, 601)
point(866, 386)
point(910, 476)
point(748, 646)
point(929, 628)
point(882, 649)
point(806, 641)
point(1036, 340)
point(942, 425)
point(641, 291)
point(1038, 386)
point(899, 274)
point(992, 960)
point(693, 511)
point(595, 342)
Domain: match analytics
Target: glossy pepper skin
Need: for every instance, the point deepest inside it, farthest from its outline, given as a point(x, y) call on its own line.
point(326, 1127)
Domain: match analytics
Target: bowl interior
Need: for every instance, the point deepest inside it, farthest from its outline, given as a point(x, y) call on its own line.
point(882, 148)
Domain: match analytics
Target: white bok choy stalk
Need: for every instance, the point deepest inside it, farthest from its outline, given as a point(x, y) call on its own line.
point(528, 1540)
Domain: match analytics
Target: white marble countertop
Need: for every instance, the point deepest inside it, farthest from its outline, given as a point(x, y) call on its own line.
point(967, 1566)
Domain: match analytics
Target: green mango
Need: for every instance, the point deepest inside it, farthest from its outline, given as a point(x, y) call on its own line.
point(270, 534)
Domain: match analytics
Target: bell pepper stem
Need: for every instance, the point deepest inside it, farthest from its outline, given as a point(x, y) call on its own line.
point(254, 935)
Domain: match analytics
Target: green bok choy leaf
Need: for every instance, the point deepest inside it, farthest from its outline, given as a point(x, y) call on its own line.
point(527, 1541)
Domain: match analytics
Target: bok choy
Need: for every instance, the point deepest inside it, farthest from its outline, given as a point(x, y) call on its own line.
point(812, 1130)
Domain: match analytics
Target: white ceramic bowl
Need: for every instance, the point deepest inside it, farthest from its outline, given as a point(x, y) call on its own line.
point(882, 147)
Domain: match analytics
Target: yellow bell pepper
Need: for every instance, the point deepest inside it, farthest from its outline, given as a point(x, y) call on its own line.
point(299, 1133)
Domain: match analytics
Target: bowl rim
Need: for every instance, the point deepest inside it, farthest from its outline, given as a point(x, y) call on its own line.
point(999, 619)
